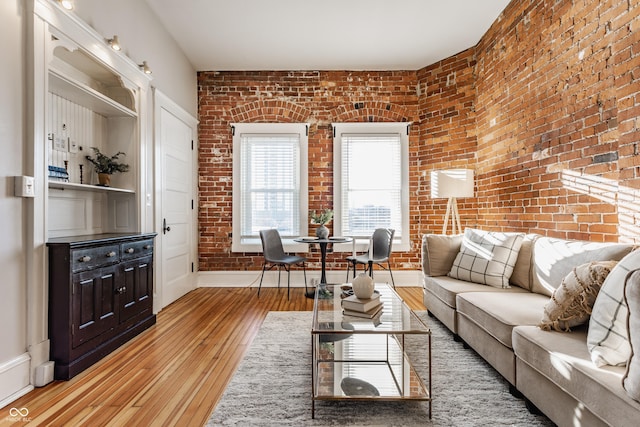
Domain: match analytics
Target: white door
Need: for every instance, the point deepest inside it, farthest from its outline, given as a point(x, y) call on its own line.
point(175, 136)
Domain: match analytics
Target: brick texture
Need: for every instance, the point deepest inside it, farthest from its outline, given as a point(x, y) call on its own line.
point(557, 133)
point(545, 108)
point(318, 98)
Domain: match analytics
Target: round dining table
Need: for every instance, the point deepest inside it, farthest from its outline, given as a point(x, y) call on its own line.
point(323, 255)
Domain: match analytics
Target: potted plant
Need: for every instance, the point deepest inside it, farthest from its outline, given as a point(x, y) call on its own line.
point(322, 219)
point(105, 165)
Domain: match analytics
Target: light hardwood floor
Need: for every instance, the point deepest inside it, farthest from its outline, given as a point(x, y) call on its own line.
point(173, 373)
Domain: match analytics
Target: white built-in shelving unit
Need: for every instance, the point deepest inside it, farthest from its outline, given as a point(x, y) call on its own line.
point(95, 97)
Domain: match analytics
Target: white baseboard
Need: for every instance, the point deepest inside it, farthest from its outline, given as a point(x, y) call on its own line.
point(15, 379)
point(240, 279)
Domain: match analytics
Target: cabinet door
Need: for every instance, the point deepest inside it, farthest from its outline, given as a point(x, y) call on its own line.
point(94, 303)
point(136, 288)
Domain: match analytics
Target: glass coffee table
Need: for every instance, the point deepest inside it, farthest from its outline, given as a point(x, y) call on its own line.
point(365, 359)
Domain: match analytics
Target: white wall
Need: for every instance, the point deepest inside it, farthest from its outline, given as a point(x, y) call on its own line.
point(143, 39)
point(13, 334)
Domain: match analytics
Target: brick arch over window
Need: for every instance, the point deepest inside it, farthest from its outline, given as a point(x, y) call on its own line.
point(371, 111)
point(270, 111)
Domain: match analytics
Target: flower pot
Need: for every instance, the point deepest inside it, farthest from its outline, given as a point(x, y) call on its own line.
point(322, 232)
point(104, 179)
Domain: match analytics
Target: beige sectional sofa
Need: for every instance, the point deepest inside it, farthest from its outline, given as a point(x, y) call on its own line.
point(553, 370)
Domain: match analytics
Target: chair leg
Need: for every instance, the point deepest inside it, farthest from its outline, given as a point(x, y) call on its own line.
point(288, 280)
point(370, 269)
point(261, 277)
point(304, 271)
point(279, 267)
point(391, 273)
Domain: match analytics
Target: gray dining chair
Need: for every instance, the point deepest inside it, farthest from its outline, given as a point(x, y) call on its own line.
point(382, 239)
point(274, 254)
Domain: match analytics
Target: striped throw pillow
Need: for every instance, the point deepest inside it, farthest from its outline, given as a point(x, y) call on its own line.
point(607, 339)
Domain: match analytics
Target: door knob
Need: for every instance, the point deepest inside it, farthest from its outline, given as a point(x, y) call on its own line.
point(165, 227)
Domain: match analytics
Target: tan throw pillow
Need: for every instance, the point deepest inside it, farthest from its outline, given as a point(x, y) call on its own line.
point(438, 253)
point(631, 378)
point(571, 303)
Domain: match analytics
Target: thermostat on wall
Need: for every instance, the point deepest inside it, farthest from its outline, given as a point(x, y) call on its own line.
point(24, 186)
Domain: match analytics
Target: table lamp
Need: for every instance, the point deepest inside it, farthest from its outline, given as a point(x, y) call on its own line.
point(451, 184)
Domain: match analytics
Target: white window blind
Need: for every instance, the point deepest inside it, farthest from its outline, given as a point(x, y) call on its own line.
point(371, 180)
point(270, 181)
point(371, 183)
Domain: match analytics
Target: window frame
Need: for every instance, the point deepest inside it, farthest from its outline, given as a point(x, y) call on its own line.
point(253, 244)
point(400, 242)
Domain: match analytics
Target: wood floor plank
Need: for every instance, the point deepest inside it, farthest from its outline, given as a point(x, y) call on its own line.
point(175, 372)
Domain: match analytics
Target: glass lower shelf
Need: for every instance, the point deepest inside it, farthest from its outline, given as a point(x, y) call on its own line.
point(368, 380)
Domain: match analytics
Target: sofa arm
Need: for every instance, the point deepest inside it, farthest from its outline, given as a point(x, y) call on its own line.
point(438, 253)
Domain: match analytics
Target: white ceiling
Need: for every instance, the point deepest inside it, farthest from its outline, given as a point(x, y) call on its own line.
point(230, 35)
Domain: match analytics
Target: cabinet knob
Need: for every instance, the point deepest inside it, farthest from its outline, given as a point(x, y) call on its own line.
point(85, 259)
point(121, 290)
point(129, 250)
point(147, 247)
point(111, 254)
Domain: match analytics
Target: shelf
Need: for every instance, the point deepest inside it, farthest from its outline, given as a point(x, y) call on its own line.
point(88, 97)
point(85, 187)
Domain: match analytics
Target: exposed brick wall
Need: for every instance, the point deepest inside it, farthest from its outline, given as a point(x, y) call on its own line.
point(551, 77)
point(447, 135)
point(545, 108)
point(318, 98)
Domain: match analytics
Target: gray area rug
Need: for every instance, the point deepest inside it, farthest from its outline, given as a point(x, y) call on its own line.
point(272, 386)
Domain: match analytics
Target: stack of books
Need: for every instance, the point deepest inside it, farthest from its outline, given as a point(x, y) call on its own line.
point(364, 308)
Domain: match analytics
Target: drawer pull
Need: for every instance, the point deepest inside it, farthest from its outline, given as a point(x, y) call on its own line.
point(147, 247)
point(111, 254)
point(129, 250)
point(85, 258)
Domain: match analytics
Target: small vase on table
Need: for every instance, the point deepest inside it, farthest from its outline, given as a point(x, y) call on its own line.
point(322, 232)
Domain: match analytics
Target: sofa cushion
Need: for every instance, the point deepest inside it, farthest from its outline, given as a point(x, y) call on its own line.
point(522, 274)
point(571, 303)
point(631, 379)
point(447, 288)
point(487, 257)
point(554, 258)
point(438, 253)
point(563, 358)
point(499, 312)
point(608, 341)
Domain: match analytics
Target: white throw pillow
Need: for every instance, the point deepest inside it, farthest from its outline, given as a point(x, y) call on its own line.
point(631, 378)
point(487, 257)
point(607, 339)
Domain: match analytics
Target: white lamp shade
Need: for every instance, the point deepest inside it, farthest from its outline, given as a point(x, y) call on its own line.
point(451, 183)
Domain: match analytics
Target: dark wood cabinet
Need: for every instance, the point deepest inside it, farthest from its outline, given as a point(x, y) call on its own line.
point(100, 296)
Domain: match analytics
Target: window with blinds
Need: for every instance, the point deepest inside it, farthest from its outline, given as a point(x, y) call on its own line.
point(371, 183)
point(269, 182)
point(371, 179)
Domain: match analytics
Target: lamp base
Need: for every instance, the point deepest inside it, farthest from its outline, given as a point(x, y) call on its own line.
point(452, 210)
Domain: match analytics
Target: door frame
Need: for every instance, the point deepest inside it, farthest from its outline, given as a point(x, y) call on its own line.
point(160, 102)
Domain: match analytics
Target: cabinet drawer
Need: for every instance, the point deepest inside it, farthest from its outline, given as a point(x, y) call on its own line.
point(88, 258)
point(130, 250)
